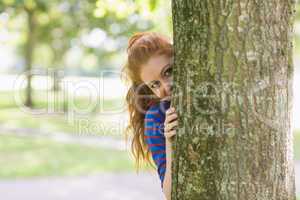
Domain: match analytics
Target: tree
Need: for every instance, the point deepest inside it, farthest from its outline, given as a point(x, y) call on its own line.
point(233, 72)
point(31, 9)
point(56, 23)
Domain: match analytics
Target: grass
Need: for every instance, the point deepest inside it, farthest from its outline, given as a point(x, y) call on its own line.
point(297, 144)
point(59, 120)
point(91, 125)
point(27, 157)
point(59, 123)
point(297, 45)
point(60, 101)
point(16, 118)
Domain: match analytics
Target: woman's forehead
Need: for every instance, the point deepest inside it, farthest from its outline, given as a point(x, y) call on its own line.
point(152, 69)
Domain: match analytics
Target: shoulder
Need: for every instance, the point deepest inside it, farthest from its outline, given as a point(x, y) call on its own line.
point(156, 112)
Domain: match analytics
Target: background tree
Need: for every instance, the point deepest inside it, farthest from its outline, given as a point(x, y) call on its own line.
point(37, 14)
point(233, 81)
point(55, 27)
point(30, 8)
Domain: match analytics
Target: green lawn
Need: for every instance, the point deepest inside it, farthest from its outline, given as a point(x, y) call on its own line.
point(27, 157)
point(297, 144)
point(297, 45)
point(72, 121)
point(88, 125)
point(60, 101)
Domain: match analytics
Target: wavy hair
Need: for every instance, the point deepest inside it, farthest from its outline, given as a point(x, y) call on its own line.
point(139, 97)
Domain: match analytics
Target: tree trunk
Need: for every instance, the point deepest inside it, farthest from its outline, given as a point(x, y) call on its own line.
point(29, 54)
point(56, 67)
point(56, 79)
point(233, 76)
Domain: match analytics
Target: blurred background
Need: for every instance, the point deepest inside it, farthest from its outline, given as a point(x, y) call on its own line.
point(62, 102)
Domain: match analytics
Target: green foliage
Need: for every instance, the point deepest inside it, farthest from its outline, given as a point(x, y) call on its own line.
point(153, 4)
point(25, 4)
point(61, 24)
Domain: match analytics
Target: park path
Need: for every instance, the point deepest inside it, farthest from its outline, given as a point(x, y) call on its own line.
point(297, 176)
point(110, 142)
point(105, 186)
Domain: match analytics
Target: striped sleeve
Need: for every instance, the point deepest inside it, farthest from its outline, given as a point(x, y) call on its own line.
point(154, 137)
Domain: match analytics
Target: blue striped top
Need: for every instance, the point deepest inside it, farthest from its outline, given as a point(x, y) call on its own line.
point(154, 135)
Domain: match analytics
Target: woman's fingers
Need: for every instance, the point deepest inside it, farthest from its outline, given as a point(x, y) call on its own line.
point(170, 123)
point(170, 126)
point(170, 110)
point(170, 117)
point(170, 134)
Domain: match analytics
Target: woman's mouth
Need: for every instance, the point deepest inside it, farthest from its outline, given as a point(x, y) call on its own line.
point(167, 98)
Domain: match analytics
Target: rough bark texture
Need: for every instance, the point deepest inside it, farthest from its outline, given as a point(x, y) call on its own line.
point(233, 76)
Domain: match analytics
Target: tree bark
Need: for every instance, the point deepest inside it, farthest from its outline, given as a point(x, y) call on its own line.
point(233, 74)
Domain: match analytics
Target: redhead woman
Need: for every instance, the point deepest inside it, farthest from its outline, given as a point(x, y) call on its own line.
point(152, 122)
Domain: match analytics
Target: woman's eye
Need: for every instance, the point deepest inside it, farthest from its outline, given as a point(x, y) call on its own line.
point(155, 85)
point(168, 72)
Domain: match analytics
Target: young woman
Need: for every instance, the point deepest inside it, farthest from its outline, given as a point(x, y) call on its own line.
point(152, 122)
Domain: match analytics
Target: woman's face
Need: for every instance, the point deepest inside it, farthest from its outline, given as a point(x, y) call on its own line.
point(156, 74)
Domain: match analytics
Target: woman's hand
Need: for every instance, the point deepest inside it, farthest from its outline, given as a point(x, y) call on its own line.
point(171, 123)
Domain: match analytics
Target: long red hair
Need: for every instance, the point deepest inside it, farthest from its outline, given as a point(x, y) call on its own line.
point(139, 98)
